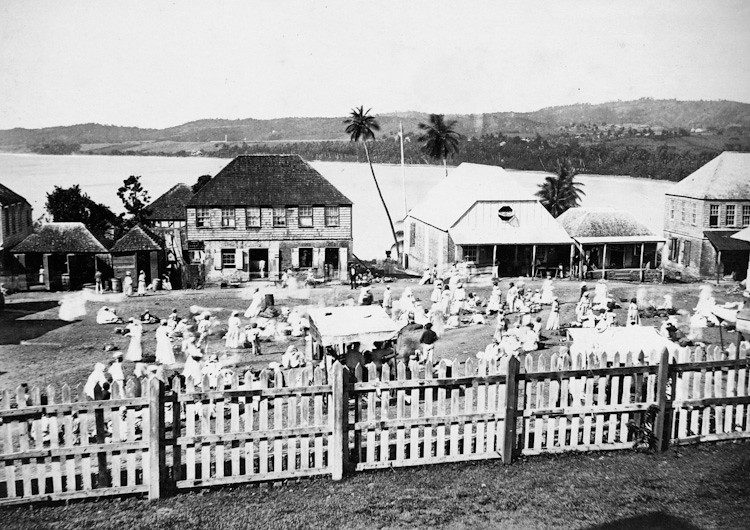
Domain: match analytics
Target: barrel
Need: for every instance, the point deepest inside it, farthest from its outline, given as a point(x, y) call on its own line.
point(116, 285)
point(65, 281)
point(269, 300)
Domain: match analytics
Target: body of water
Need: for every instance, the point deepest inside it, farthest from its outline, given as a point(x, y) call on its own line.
point(33, 176)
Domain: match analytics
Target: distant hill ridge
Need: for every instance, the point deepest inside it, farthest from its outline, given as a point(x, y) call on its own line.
point(668, 113)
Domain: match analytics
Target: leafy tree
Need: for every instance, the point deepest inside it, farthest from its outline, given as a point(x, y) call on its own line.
point(73, 205)
point(439, 140)
point(202, 181)
point(134, 198)
point(361, 126)
point(561, 192)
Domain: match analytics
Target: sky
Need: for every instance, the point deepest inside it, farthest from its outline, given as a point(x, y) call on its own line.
point(157, 64)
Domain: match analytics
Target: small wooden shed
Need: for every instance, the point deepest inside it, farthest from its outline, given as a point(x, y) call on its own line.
point(138, 250)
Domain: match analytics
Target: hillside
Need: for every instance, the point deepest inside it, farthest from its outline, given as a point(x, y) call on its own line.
point(642, 112)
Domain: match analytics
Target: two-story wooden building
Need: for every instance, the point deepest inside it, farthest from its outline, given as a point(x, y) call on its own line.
point(702, 212)
point(15, 225)
point(262, 214)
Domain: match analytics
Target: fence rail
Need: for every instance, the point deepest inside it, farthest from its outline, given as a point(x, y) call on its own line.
point(146, 438)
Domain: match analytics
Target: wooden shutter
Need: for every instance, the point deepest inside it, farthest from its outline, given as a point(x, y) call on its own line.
point(295, 257)
point(216, 254)
point(686, 256)
point(239, 262)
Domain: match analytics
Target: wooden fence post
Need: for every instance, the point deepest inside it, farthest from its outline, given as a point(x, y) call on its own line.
point(104, 478)
point(511, 406)
point(662, 423)
point(156, 441)
point(339, 446)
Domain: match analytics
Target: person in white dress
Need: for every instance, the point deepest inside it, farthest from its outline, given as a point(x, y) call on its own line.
point(601, 295)
point(72, 307)
point(256, 304)
point(233, 332)
point(192, 370)
point(115, 368)
point(96, 377)
point(457, 299)
point(437, 291)
point(510, 297)
point(106, 315)
point(553, 321)
point(211, 370)
point(204, 328)
point(495, 303)
point(141, 283)
point(548, 291)
point(634, 319)
point(164, 351)
point(135, 348)
point(445, 301)
point(127, 284)
point(387, 298)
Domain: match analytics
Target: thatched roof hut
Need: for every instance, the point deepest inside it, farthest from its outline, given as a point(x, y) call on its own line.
point(63, 238)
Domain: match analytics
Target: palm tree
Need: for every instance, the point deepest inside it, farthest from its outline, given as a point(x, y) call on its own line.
point(360, 126)
point(440, 140)
point(561, 192)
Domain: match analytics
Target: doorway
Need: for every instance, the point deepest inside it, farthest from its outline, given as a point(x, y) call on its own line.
point(257, 265)
point(331, 261)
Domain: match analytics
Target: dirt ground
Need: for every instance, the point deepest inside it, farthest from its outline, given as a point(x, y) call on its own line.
point(36, 347)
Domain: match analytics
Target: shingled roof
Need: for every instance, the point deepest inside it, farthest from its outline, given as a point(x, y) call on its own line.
point(592, 225)
point(8, 196)
point(68, 238)
point(267, 180)
point(136, 239)
point(171, 205)
point(726, 177)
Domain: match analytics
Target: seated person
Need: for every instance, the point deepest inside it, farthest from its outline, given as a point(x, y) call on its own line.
point(106, 315)
point(148, 318)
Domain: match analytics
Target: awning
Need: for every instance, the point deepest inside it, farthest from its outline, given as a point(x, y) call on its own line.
point(723, 241)
point(619, 240)
point(336, 325)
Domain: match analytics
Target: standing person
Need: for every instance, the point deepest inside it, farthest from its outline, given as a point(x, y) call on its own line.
point(127, 284)
point(135, 348)
point(553, 321)
point(634, 319)
point(495, 302)
point(233, 331)
point(141, 283)
point(164, 351)
point(204, 327)
point(387, 298)
point(433, 273)
point(115, 368)
point(252, 336)
point(510, 297)
point(96, 377)
point(192, 370)
point(352, 276)
point(98, 282)
point(427, 342)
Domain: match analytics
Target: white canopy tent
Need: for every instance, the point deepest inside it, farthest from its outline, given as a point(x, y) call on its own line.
point(331, 326)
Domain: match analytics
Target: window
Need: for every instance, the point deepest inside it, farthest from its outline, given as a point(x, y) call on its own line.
point(332, 216)
point(470, 253)
point(305, 258)
point(729, 215)
point(279, 217)
point(746, 215)
point(682, 208)
point(671, 208)
point(713, 215)
point(674, 249)
point(227, 218)
point(305, 216)
point(202, 217)
point(252, 217)
point(695, 214)
point(412, 234)
point(227, 258)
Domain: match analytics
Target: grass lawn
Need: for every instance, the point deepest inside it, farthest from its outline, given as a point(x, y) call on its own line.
point(59, 351)
point(704, 486)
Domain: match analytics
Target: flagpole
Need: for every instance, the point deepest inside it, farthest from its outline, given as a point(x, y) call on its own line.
point(403, 167)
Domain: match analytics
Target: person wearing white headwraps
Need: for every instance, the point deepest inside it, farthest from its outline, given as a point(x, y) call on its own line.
point(106, 315)
point(232, 338)
point(292, 358)
point(553, 321)
point(141, 283)
point(457, 298)
point(96, 377)
point(387, 298)
point(495, 303)
point(135, 348)
point(437, 291)
point(127, 284)
point(164, 351)
point(256, 305)
point(192, 368)
point(548, 291)
point(445, 301)
point(510, 297)
point(634, 318)
point(211, 370)
point(365, 296)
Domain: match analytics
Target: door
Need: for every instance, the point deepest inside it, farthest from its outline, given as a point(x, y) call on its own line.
point(258, 263)
point(331, 262)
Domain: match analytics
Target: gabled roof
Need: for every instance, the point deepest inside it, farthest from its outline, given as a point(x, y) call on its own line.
point(743, 235)
point(600, 225)
point(726, 177)
point(449, 199)
point(69, 238)
point(267, 180)
point(530, 224)
point(136, 239)
point(8, 196)
point(171, 205)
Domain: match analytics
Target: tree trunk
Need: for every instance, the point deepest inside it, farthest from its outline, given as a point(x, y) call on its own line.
point(380, 193)
point(445, 165)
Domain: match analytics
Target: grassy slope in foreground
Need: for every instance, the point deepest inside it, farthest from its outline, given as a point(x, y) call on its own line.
point(699, 486)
